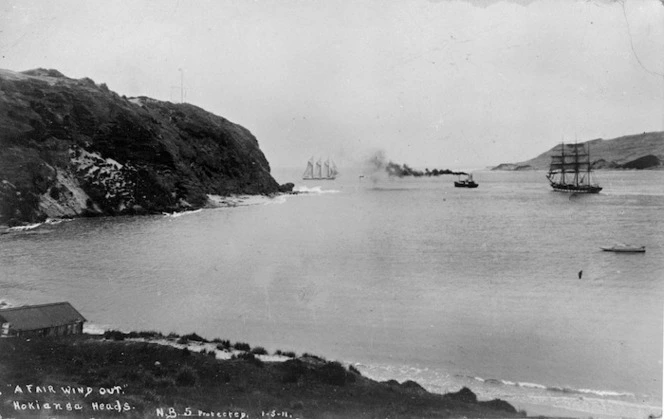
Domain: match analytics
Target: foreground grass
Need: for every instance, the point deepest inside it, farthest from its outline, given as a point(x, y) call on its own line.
point(127, 378)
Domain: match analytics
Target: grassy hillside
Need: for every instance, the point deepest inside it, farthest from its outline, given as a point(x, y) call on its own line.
point(608, 154)
point(132, 379)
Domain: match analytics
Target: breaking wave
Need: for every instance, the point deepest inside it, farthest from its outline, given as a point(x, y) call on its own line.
point(54, 221)
point(316, 190)
point(30, 227)
point(569, 390)
point(180, 214)
point(25, 227)
point(532, 397)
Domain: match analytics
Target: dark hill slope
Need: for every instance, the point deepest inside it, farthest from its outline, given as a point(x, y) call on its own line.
point(71, 147)
point(640, 151)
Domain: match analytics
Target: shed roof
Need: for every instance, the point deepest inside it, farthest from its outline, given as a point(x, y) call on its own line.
point(40, 316)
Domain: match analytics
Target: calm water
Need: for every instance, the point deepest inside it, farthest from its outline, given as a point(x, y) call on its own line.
point(410, 279)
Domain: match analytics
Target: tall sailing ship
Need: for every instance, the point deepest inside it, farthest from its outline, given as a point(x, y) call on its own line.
point(570, 170)
point(320, 170)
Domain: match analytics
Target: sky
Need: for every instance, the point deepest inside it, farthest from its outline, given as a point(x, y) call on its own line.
point(435, 84)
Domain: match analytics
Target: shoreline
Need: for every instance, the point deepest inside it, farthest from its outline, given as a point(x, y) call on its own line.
point(538, 399)
point(214, 202)
point(534, 406)
point(147, 371)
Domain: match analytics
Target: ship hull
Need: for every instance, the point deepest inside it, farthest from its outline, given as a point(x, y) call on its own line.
point(559, 187)
point(465, 185)
point(618, 249)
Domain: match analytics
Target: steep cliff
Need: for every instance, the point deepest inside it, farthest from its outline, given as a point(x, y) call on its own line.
point(72, 147)
point(640, 151)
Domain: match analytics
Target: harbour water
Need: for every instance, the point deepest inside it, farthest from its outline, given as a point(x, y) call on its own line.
point(405, 278)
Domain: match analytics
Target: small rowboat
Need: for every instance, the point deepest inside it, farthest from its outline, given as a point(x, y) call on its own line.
point(624, 248)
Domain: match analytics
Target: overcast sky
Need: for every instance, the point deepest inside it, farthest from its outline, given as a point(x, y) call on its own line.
point(448, 83)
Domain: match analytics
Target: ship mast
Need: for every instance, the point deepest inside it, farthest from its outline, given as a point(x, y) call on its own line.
point(576, 164)
point(588, 175)
point(562, 166)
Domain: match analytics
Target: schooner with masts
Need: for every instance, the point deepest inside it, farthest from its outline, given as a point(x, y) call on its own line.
point(320, 170)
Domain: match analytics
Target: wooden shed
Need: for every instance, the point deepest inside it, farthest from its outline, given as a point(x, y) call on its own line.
point(55, 319)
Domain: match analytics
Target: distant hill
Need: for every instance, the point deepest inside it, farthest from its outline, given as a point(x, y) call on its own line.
point(71, 147)
point(640, 151)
